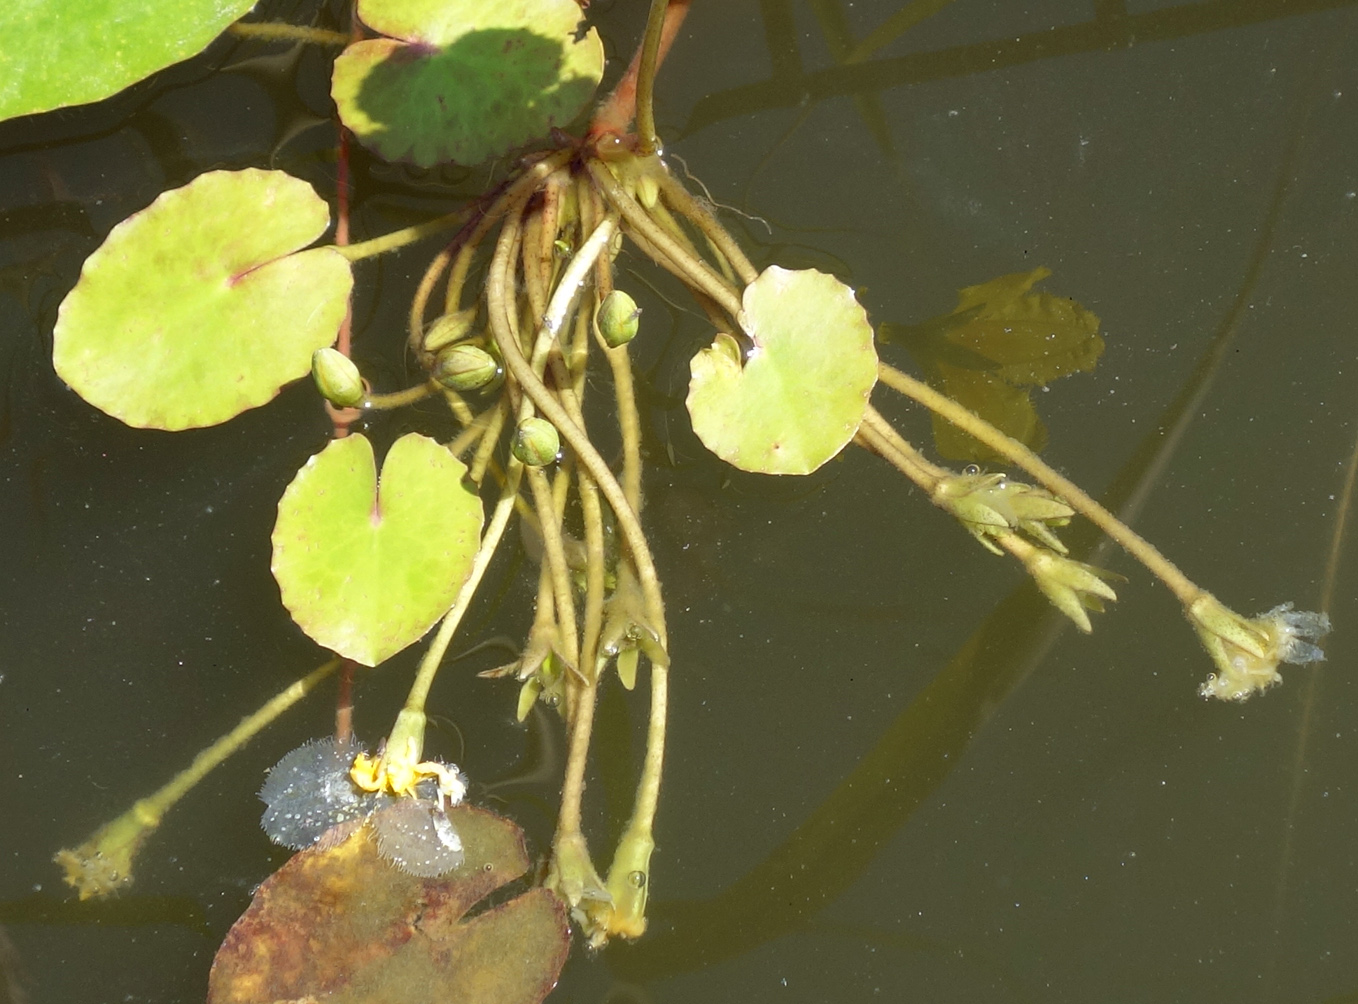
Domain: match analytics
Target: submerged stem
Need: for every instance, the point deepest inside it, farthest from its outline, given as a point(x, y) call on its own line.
point(1020, 456)
point(102, 865)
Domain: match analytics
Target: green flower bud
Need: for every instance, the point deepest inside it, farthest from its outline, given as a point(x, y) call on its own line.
point(448, 329)
point(618, 319)
point(536, 442)
point(337, 378)
point(465, 367)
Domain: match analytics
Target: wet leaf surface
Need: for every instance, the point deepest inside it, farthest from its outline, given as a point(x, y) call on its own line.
point(464, 80)
point(367, 568)
point(201, 306)
point(59, 54)
point(800, 395)
point(341, 924)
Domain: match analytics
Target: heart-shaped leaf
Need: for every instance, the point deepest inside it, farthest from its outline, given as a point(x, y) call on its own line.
point(340, 924)
point(366, 569)
point(59, 54)
point(804, 386)
point(464, 80)
point(196, 308)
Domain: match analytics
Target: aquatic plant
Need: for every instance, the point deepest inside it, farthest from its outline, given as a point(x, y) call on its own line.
point(199, 307)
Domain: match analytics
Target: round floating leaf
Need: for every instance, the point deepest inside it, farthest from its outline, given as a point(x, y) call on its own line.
point(340, 924)
point(59, 54)
point(195, 309)
point(804, 386)
point(464, 80)
point(366, 569)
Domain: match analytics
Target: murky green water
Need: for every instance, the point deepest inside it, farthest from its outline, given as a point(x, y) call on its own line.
point(1057, 818)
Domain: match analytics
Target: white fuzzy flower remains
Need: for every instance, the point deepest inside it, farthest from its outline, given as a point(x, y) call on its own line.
point(1247, 652)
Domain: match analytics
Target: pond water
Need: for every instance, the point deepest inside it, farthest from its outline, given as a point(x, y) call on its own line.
point(892, 775)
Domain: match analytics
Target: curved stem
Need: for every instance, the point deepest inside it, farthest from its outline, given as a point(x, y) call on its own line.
point(432, 274)
point(687, 267)
point(650, 51)
point(613, 115)
point(400, 398)
point(1019, 455)
point(554, 554)
point(683, 201)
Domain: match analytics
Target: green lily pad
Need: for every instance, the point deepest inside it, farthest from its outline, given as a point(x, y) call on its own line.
point(196, 308)
point(804, 386)
point(366, 569)
point(62, 53)
point(464, 80)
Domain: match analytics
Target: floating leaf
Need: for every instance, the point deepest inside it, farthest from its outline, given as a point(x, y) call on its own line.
point(1001, 340)
point(195, 309)
point(366, 569)
point(340, 924)
point(59, 54)
point(464, 80)
point(804, 386)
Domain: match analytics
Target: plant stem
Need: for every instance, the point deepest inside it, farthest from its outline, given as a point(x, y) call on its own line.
point(650, 51)
point(554, 556)
point(399, 238)
point(490, 540)
point(690, 269)
point(274, 31)
point(1020, 456)
point(400, 398)
point(103, 863)
point(613, 115)
point(876, 435)
point(683, 201)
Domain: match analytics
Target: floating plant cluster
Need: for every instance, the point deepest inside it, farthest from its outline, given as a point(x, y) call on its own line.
point(311, 800)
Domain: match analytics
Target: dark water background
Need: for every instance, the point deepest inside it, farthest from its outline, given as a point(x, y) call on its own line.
point(1095, 832)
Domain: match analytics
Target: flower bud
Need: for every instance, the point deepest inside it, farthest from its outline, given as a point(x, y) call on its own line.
point(618, 318)
point(465, 367)
point(449, 328)
point(337, 378)
point(536, 442)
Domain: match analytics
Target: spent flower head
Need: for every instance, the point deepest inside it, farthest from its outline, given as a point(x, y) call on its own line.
point(1247, 651)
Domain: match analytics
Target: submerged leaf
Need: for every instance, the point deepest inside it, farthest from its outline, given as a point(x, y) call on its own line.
point(1001, 340)
point(200, 306)
point(339, 923)
point(59, 54)
point(802, 391)
point(464, 80)
point(366, 569)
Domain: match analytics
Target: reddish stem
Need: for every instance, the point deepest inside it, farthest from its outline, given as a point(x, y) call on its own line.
point(344, 703)
point(616, 114)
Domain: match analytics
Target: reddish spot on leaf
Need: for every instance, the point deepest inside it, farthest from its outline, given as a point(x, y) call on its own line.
point(341, 924)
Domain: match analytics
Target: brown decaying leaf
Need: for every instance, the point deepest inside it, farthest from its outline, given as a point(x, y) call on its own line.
point(343, 925)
